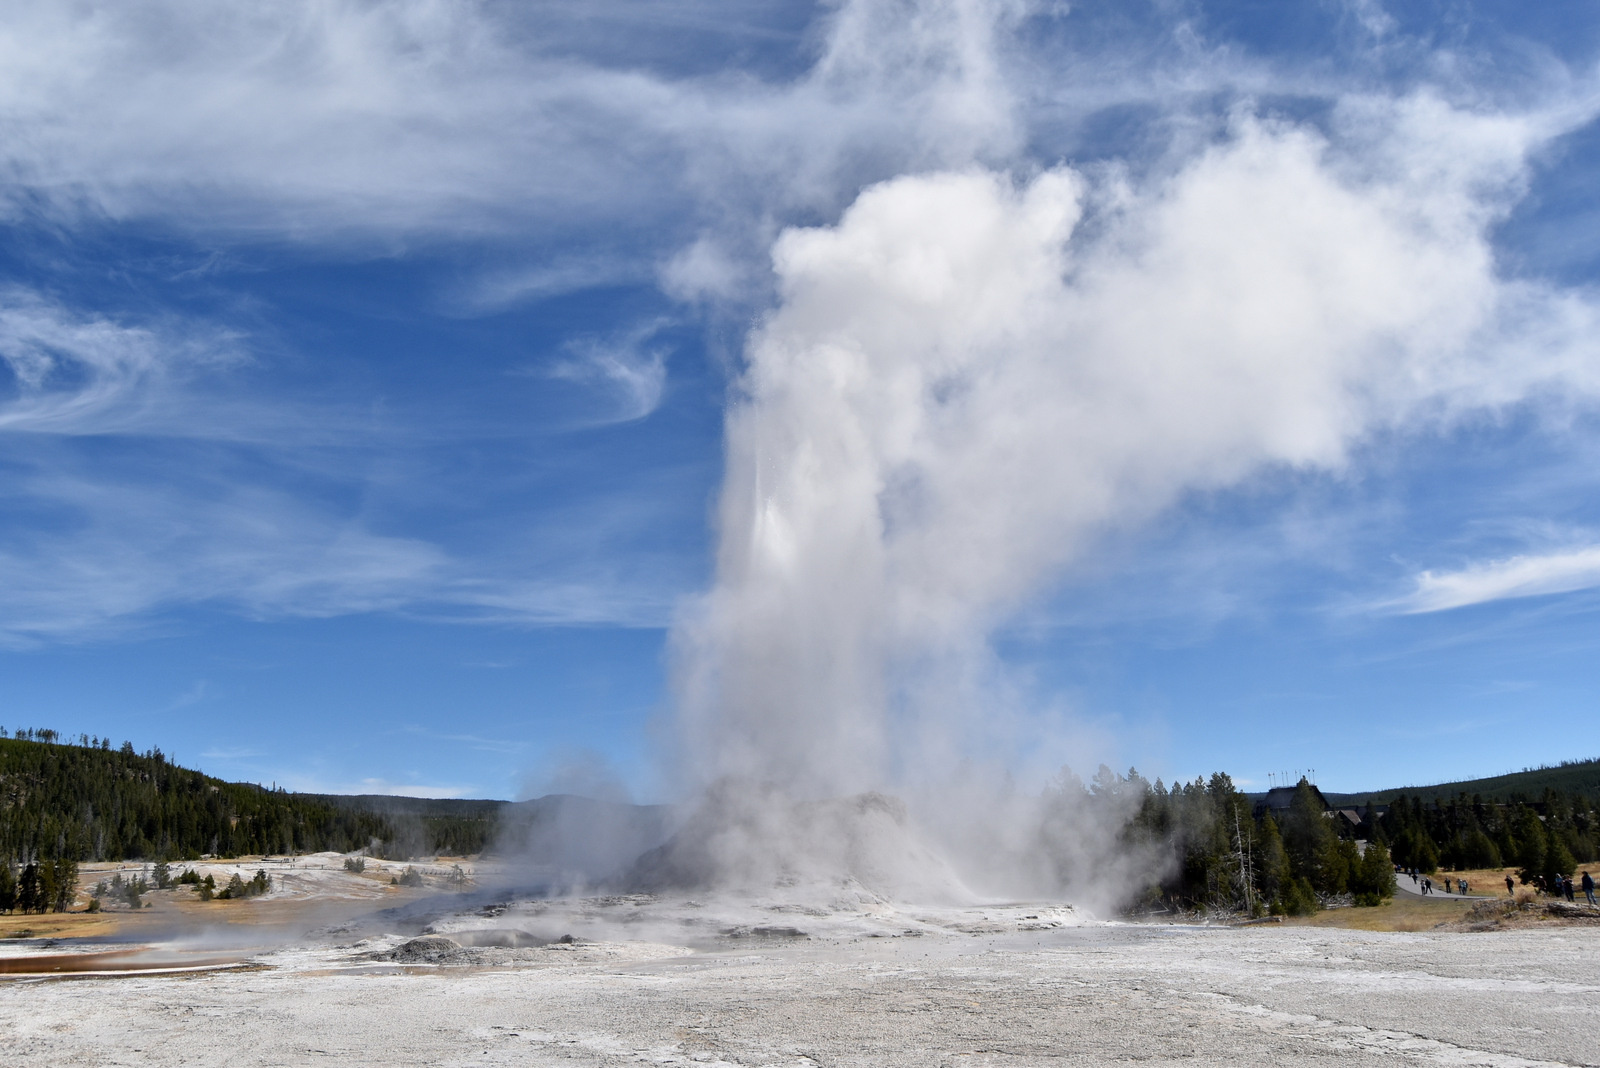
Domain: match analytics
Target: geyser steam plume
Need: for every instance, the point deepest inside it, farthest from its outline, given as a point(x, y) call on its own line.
point(974, 374)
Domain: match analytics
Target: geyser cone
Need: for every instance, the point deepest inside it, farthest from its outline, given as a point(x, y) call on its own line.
point(751, 839)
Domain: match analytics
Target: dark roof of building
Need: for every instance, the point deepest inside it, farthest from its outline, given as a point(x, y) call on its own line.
point(1280, 798)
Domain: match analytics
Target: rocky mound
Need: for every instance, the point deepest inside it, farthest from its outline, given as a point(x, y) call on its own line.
point(1504, 915)
point(429, 949)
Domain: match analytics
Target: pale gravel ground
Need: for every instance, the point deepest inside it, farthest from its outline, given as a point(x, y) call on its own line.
point(1079, 995)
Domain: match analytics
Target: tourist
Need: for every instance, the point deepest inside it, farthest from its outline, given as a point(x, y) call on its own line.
point(1588, 888)
point(1566, 887)
point(1511, 887)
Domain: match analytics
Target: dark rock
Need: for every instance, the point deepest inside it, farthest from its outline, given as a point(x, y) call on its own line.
point(784, 933)
point(429, 949)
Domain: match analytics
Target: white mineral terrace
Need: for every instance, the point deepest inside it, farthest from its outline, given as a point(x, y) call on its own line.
point(484, 978)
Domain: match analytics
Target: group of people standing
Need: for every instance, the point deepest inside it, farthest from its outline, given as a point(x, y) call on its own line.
point(1425, 884)
point(1555, 887)
point(1560, 886)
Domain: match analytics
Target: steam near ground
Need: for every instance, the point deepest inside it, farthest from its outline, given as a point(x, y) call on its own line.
point(477, 976)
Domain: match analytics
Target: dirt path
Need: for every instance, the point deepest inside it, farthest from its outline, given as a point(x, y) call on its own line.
point(1403, 885)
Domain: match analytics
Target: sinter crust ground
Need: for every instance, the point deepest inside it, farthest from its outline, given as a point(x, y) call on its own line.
point(1004, 986)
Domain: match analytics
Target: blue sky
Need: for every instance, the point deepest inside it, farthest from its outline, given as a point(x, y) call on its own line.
point(364, 367)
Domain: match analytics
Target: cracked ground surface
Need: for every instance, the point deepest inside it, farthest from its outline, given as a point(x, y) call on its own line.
point(1089, 995)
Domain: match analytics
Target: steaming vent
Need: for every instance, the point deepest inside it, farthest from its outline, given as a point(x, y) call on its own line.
point(751, 839)
point(568, 842)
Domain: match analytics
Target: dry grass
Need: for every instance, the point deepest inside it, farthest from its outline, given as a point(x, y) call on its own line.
point(1492, 881)
point(60, 925)
point(1400, 914)
point(1407, 913)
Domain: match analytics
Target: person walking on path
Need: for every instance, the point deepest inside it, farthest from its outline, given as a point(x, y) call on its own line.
point(1511, 887)
point(1588, 888)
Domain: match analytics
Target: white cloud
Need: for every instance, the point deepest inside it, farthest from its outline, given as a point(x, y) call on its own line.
point(314, 784)
point(1498, 580)
point(129, 550)
point(73, 373)
point(1371, 16)
point(1272, 256)
point(229, 753)
point(629, 368)
point(322, 121)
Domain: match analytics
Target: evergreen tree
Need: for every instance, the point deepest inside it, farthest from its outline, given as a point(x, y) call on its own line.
point(1535, 846)
point(1299, 899)
point(66, 884)
point(28, 889)
point(1531, 843)
point(1373, 880)
point(1272, 864)
point(8, 887)
point(1558, 860)
point(1479, 851)
point(49, 887)
point(1308, 836)
point(1339, 861)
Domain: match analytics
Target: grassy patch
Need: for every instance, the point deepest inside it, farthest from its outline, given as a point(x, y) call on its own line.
point(1400, 914)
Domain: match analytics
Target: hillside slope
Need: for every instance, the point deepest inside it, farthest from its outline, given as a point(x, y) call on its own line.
point(1573, 777)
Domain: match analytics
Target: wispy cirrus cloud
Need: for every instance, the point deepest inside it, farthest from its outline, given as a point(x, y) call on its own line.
point(1530, 575)
point(332, 121)
point(631, 368)
point(114, 559)
point(72, 372)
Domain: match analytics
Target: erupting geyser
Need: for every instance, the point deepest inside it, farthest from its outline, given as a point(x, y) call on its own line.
point(974, 375)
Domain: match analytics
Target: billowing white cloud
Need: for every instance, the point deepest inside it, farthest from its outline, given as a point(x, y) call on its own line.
point(1533, 575)
point(972, 376)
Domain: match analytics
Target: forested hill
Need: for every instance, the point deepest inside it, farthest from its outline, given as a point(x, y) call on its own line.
point(92, 802)
point(1576, 778)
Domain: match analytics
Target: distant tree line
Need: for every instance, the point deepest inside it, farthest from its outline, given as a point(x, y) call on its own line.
point(1543, 839)
point(1212, 852)
point(66, 802)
